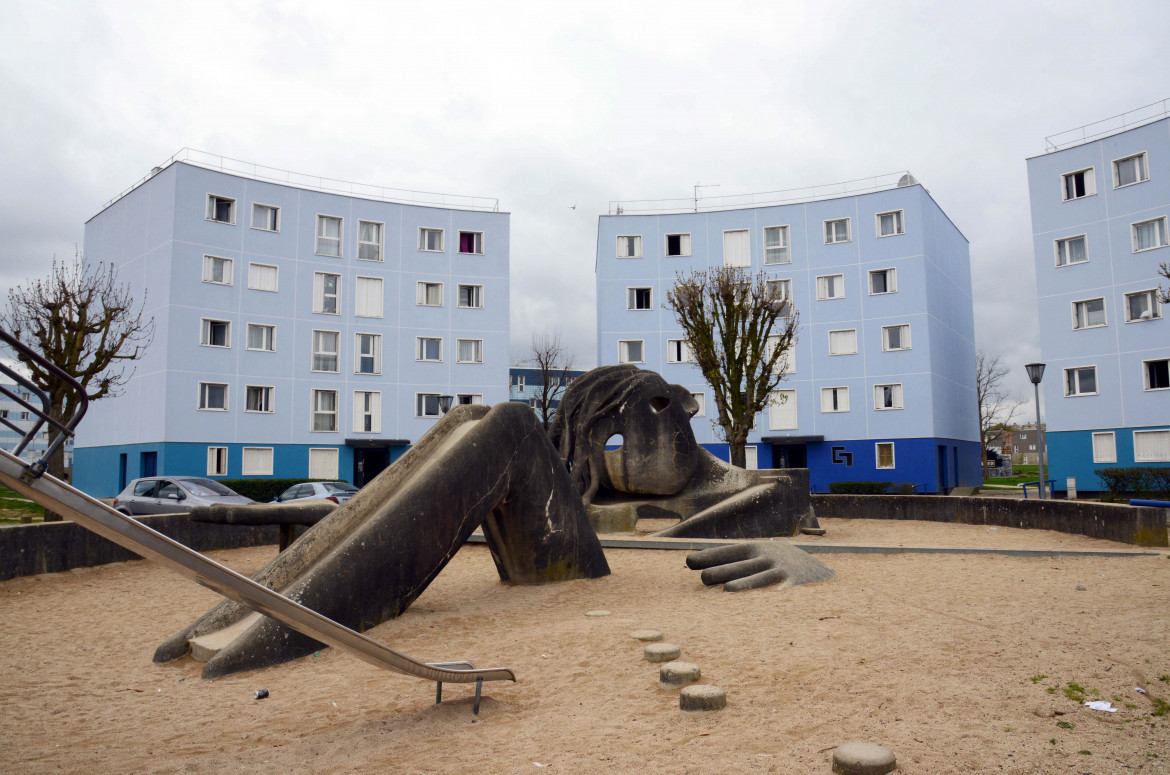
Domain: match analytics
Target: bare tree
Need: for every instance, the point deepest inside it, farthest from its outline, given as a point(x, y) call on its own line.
point(739, 333)
point(81, 320)
point(996, 405)
point(554, 363)
point(1164, 293)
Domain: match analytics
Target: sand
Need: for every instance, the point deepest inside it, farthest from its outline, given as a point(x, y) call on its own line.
point(956, 663)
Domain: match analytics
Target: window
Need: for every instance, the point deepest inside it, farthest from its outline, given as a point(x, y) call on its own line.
point(217, 270)
point(1072, 250)
point(787, 362)
point(468, 399)
point(263, 277)
point(1143, 305)
point(367, 301)
point(1104, 448)
point(258, 398)
point(629, 246)
point(325, 350)
point(638, 298)
point(896, 337)
point(678, 245)
point(885, 454)
point(520, 382)
point(469, 351)
point(1130, 170)
point(370, 241)
point(429, 349)
point(837, 231)
point(257, 461)
point(843, 342)
point(776, 245)
point(426, 405)
point(630, 351)
point(323, 463)
point(430, 240)
point(429, 294)
point(471, 296)
point(324, 410)
point(887, 396)
point(326, 293)
point(835, 399)
point(830, 286)
point(216, 333)
point(328, 236)
point(213, 396)
point(1157, 374)
point(890, 224)
point(780, 290)
point(261, 337)
point(265, 217)
point(221, 209)
point(701, 400)
point(1079, 184)
point(217, 461)
point(883, 281)
point(737, 248)
point(1088, 314)
point(677, 351)
point(782, 411)
point(367, 411)
point(471, 242)
point(1148, 235)
point(1151, 446)
point(1080, 381)
point(367, 354)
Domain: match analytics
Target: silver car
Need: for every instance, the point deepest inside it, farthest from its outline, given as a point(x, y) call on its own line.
point(338, 492)
point(173, 494)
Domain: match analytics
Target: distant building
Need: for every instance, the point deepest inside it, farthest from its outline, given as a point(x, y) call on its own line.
point(880, 384)
point(525, 386)
point(1024, 445)
point(301, 332)
point(1100, 224)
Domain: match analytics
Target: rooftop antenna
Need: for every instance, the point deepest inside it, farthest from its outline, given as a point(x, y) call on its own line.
point(697, 187)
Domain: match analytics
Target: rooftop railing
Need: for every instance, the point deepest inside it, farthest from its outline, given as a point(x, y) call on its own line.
point(1107, 126)
point(703, 203)
point(246, 169)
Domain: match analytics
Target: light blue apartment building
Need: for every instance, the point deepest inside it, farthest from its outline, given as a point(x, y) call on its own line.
point(880, 386)
point(1099, 221)
point(300, 332)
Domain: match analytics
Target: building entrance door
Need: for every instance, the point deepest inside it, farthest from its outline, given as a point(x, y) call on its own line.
point(368, 462)
point(790, 456)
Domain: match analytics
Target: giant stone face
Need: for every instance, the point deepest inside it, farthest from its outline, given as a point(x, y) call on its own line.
point(658, 452)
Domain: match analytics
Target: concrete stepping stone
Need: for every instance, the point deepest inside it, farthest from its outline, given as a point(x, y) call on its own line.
point(863, 759)
point(701, 698)
point(661, 652)
point(597, 613)
point(649, 636)
point(675, 675)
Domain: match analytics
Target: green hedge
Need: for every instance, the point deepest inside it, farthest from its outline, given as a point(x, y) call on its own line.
point(871, 488)
point(263, 490)
point(1136, 482)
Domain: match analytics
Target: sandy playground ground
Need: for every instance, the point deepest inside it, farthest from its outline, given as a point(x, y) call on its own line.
point(957, 663)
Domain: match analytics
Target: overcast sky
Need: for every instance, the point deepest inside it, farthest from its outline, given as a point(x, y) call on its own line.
point(545, 106)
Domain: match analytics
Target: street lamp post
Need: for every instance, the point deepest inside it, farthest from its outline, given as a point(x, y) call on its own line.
point(1036, 373)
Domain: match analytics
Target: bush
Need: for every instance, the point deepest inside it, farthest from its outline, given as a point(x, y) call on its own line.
point(871, 488)
point(263, 490)
point(1136, 482)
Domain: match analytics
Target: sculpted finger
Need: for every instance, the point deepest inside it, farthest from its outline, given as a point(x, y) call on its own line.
point(735, 570)
point(720, 555)
point(764, 579)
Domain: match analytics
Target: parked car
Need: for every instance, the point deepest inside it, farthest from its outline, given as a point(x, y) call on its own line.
point(338, 492)
point(173, 494)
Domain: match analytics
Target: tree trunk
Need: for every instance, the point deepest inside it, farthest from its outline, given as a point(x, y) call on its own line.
point(56, 467)
point(737, 452)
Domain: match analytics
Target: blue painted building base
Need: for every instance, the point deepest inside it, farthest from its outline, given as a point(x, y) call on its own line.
point(102, 472)
point(932, 465)
point(1070, 454)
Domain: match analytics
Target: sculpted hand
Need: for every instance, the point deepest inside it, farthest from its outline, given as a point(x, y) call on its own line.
point(758, 564)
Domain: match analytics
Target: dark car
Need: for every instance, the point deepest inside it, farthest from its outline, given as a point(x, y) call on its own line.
point(173, 494)
point(338, 492)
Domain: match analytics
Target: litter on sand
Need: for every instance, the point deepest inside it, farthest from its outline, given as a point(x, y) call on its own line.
point(1104, 705)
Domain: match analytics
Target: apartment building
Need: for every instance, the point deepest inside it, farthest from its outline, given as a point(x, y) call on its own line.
point(304, 327)
point(1100, 202)
point(880, 385)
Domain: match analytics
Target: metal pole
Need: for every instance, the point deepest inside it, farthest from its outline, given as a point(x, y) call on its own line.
point(1040, 440)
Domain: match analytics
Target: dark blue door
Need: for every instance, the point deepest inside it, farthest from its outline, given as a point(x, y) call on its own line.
point(149, 464)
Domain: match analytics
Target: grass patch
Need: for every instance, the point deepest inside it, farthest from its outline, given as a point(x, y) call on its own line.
point(1161, 707)
point(1164, 679)
point(1074, 691)
point(1085, 753)
point(1066, 725)
point(1037, 678)
point(16, 508)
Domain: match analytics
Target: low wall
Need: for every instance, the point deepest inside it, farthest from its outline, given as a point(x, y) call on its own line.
point(52, 547)
point(1112, 522)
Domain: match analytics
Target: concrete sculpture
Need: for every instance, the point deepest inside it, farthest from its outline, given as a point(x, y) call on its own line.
point(758, 564)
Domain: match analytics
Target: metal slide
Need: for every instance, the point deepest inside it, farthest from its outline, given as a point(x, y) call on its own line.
point(30, 481)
